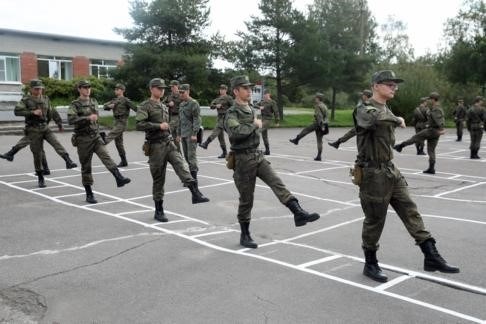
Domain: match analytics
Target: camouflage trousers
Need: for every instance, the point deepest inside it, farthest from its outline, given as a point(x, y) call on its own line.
point(349, 134)
point(314, 127)
point(419, 145)
point(476, 136)
point(160, 154)
point(249, 166)
point(384, 185)
point(87, 145)
point(116, 134)
point(266, 123)
point(36, 136)
point(189, 149)
point(431, 135)
point(25, 141)
point(218, 131)
point(459, 127)
point(174, 129)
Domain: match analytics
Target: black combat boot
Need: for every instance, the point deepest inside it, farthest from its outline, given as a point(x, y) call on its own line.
point(197, 196)
point(371, 268)
point(335, 144)
point(431, 169)
point(398, 147)
point(40, 179)
point(9, 156)
point(69, 163)
point(89, 195)
point(301, 217)
point(475, 154)
point(223, 155)
point(205, 144)
point(245, 238)
point(433, 260)
point(267, 150)
point(120, 180)
point(421, 150)
point(295, 140)
point(123, 162)
point(459, 138)
point(103, 138)
point(45, 166)
point(159, 211)
point(318, 156)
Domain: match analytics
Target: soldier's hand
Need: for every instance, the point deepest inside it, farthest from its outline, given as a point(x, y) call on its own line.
point(402, 122)
point(178, 139)
point(257, 123)
point(218, 106)
point(164, 126)
point(93, 117)
point(194, 138)
point(37, 112)
point(171, 104)
point(442, 131)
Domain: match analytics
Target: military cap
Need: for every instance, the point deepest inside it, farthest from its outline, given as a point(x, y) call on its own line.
point(434, 95)
point(184, 87)
point(266, 91)
point(460, 99)
point(223, 86)
point(320, 95)
point(424, 99)
point(174, 83)
point(35, 83)
point(157, 83)
point(84, 83)
point(241, 80)
point(120, 86)
point(367, 93)
point(385, 75)
point(478, 99)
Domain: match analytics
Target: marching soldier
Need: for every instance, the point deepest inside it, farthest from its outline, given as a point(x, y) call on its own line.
point(434, 129)
point(221, 104)
point(83, 114)
point(382, 183)
point(476, 118)
point(459, 114)
point(173, 101)
point(419, 121)
point(120, 106)
point(269, 112)
point(319, 126)
point(153, 118)
point(37, 111)
point(249, 162)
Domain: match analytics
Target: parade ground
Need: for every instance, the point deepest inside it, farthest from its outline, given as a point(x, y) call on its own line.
point(63, 260)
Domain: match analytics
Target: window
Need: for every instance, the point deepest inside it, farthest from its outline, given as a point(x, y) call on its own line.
point(9, 68)
point(59, 68)
point(102, 68)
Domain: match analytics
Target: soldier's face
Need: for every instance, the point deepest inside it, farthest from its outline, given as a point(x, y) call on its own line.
point(157, 92)
point(222, 92)
point(36, 92)
point(184, 94)
point(243, 93)
point(84, 91)
point(386, 89)
point(118, 92)
point(174, 89)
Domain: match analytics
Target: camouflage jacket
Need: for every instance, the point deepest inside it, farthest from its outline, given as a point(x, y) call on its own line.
point(476, 117)
point(189, 118)
point(320, 113)
point(176, 99)
point(375, 130)
point(121, 107)
point(78, 115)
point(419, 118)
point(459, 113)
point(242, 132)
point(28, 104)
point(150, 114)
point(225, 102)
point(269, 110)
point(435, 118)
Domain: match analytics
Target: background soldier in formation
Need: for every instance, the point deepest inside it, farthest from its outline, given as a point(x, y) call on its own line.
point(153, 118)
point(434, 129)
point(365, 96)
point(249, 162)
point(173, 101)
point(37, 111)
point(221, 104)
point(419, 120)
point(319, 126)
point(476, 118)
point(120, 106)
point(189, 124)
point(382, 183)
point(269, 112)
point(459, 114)
point(83, 114)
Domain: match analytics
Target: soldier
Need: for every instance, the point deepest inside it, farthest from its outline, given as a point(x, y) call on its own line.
point(37, 111)
point(475, 120)
point(189, 124)
point(459, 114)
point(153, 118)
point(249, 162)
point(320, 125)
point(419, 121)
point(121, 106)
point(221, 104)
point(382, 183)
point(173, 101)
point(434, 129)
point(365, 96)
point(83, 114)
point(269, 111)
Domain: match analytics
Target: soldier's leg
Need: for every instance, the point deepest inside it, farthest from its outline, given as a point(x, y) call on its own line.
point(191, 155)
point(431, 145)
point(102, 153)
point(184, 148)
point(85, 153)
point(23, 142)
point(36, 146)
point(319, 135)
point(158, 166)
point(174, 130)
point(245, 173)
point(309, 129)
point(415, 139)
point(349, 134)
point(117, 130)
point(52, 139)
point(271, 179)
point(265, 126)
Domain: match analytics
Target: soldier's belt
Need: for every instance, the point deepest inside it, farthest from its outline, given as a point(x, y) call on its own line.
point(375, 164)
point(247, 151)
point(36, 125)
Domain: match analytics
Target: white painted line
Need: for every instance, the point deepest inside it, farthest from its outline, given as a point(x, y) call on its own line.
point(214, 233)
point(70, 195)
point(393, 282)
point(454, 199)
point(454, 177)
point(452, 152)
point(174, 221)
point(93, 206)
point(319, 261)
point(323, 169)
point(459, 189)
point(50, 187)
point(136, 211)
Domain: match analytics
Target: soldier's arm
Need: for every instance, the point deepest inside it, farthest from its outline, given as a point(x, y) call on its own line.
point(196, 118)
point(131, 105)
point(366, 116)
point(213, 104)
point(109, 105)
point(74, 119)
point(237, 131)
point(142, 120)
point(275, 112)
point(21, 109)
point(438, 117)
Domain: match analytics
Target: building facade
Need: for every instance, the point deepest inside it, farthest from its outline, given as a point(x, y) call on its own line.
point(29, 55)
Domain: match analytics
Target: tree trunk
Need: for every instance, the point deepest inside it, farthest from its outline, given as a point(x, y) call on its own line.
point(333, 103)
point(278, 71)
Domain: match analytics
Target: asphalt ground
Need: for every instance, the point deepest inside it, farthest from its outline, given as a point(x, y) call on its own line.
point(65, 261)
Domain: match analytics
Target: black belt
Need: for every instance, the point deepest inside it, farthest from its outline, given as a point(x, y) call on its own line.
point(247, 151)
point(36, 125)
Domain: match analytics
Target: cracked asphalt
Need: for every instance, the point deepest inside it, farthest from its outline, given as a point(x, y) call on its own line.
point(64, 262)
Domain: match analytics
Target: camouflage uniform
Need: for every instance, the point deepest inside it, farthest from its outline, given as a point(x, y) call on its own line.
point(419, 121)
point(189, 124)
point(476, 118)
point(269, 112)
point(225, 101)
point(459, 114)
point(174, 115)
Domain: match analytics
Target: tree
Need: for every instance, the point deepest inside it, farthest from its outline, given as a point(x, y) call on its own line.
point(396, 47)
